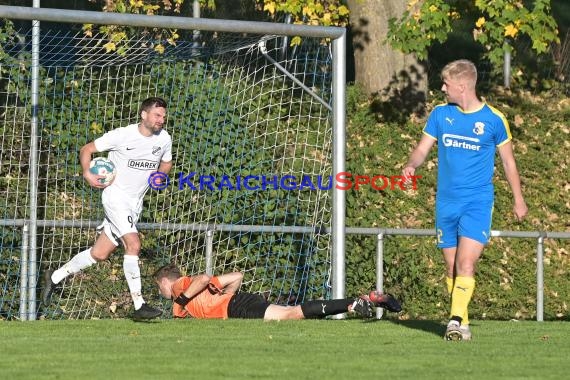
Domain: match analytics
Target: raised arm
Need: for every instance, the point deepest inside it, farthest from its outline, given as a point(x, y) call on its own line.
point(198, 284)
point(225, 283)
point(230, 282)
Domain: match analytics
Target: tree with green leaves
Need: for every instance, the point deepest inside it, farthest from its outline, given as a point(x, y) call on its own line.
point(379, 69)
point(496, 25)
point(308, 12)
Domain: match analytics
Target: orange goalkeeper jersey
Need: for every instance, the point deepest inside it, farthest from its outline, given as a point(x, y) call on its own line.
point(204, 305)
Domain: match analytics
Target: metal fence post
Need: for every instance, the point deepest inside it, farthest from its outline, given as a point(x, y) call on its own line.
point(507, 66)
point(540, 278)
point(380, 269)
point(24, 274)
point(209, 252)
point(34, 159)
point(338, 222)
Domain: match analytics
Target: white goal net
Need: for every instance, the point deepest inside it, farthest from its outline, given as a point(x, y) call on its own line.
point(250, 119)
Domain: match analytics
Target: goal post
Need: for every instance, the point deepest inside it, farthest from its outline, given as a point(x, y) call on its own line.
point(258, 133)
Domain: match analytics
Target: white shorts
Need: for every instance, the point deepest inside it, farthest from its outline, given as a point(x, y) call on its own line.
point(121, 216)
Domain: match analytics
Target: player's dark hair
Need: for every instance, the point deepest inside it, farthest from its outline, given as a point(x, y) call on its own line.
point(152, 102)
point(169, 271)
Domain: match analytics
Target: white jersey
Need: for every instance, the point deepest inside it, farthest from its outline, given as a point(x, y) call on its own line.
point(135, 157)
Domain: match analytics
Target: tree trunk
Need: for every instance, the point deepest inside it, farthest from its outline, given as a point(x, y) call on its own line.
point(380, 69)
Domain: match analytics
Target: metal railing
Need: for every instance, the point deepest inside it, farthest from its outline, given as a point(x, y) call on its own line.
point(209, 229)
point(538, 235)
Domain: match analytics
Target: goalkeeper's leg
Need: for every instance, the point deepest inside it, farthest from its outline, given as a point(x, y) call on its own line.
point(320, 309)
point(361, 306)
point(323, 308)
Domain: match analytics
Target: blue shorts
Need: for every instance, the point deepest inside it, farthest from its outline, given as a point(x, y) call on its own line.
point(470, 219)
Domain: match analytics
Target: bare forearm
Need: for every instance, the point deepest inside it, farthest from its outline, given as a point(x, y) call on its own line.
point(165, 167)
point(418, 156)
point(520, 208)
point(511, 171)
point(85, 155)
point(514, 180)
point(416, 159)
point(231, 282)
point(199, 283)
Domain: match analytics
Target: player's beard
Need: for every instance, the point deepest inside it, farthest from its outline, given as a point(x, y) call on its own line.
point(152, 128)
point(156, 129)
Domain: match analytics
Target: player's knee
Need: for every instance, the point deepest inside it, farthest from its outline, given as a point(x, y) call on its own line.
point(293, 312)
point(466, 271)
point(99, 254)
point(297, 312)
point(132, 246)
point(281, 313)
point(465, 268)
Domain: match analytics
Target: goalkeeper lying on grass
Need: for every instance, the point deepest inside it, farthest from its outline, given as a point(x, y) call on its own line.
point(210, 297)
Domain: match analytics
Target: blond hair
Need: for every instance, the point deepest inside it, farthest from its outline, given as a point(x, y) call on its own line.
point(462, 69)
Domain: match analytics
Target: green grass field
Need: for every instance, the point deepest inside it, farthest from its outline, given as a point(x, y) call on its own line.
point(253, 349)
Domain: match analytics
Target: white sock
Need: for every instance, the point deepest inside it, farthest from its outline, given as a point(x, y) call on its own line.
point(133, 276)
point(79, 262)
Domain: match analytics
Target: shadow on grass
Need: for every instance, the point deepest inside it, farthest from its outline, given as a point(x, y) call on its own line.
point(149, 321)
point(434, 327)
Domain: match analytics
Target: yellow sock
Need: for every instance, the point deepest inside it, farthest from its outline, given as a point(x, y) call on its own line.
point(465, 318)
point(461, 296)
point(449, 283)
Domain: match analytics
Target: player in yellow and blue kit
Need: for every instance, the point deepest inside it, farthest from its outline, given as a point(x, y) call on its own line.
point(468, 133)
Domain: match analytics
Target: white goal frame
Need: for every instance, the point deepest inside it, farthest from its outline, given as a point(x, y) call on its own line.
point(336, 34)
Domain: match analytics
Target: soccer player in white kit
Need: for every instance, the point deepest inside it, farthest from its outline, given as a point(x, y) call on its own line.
point(137, 150)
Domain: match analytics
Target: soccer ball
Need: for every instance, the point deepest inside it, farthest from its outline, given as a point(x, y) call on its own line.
point(103, 166)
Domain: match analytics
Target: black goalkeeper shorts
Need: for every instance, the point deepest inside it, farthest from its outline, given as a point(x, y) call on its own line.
point(247, 305)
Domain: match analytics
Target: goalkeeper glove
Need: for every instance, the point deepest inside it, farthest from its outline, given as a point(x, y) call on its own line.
point(182, 300)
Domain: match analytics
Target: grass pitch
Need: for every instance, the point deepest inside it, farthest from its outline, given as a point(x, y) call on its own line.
point(253, 349)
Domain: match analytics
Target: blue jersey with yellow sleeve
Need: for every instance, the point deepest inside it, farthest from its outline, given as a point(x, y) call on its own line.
point(467, 142)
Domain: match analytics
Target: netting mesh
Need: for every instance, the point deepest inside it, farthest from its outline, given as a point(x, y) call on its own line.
point(232, 114)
